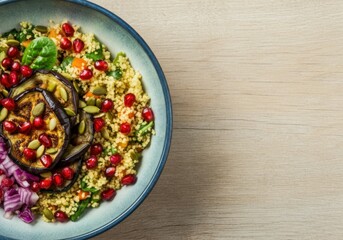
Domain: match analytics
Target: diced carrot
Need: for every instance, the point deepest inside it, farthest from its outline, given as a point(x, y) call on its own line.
point(83, 195)
point(53, 33)
point(26, 43)
point(123, 144)
point(91, 95)
point(131, 115)
point(79, 63)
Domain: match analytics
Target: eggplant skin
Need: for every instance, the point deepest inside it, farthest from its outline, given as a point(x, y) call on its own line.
point(64, 120)
point(74, 96)
point(77, 167)
point(85, 140)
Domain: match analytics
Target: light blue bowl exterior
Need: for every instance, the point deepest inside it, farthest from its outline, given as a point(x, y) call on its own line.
point(118, 36)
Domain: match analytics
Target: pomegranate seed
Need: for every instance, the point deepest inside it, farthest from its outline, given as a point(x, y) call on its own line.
point(26, 71)
point(7, 63)
point(96, 149)
point(65, 43)
point(5, 80)
point(101, 65)
point(86, 74)
point(115, 159)
point(68, 29)
point(15, 66)
point(7, 182)
point(107, 105)
point(38, 123)
point(129, 179)
point(2, 172)
point(129, 99)
point(35, 186)
point(9, 126)
point(12, 52)
point(110, 171)
point(78, 45)
point(45, 140)
point(98, 123)
point(68, 173)
point(46, 160)
point(25, 128)
point(58, 180)
point(45, 183)
point(29, 154)
point(8, 103)
point(61, 216)
point(108, 194)
point(91, 162)
point(148, 114)
point(14, 78)
point(125, 128)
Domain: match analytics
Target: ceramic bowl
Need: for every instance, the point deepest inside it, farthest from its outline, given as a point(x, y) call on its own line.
point(118, 36)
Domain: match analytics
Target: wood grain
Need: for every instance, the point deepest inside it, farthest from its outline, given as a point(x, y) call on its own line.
point(257, 96)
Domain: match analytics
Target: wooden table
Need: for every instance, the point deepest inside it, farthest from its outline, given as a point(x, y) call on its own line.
point(257, 89)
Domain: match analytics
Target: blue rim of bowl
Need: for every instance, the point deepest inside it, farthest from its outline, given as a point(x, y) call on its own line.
point(167, 142)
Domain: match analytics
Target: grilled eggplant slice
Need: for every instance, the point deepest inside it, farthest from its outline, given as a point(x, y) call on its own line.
point(66, 184)
point(30, 104)
point(81, 139)
point(62, 89)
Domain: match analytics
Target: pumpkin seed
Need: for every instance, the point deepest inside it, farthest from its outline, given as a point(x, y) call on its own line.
point(91, 101)
point(77, 88)
point(40, 151)
point(48, 214)
point(91, 109)
point(12, 42)
point(51, 150)
point(105, 134)
point(38, 109)
point(99, 115)
point(82, 127)
point(46, 174)
point(34, 144)
point(4, 92)
point(64, 94)
point(98, 103)
point(51, 86)
point(82, 104)
point(3, 114)
point(109, 116)
point(10, 36)
point(99, 90)
point(42, 29)
point(69, 112)
point(52, 124)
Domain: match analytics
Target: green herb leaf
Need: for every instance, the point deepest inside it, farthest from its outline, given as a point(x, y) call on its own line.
point(97, 54)
point(66, 62)
point(80, 210)
point(120, 54)
point(40, 54)
point(117, 74)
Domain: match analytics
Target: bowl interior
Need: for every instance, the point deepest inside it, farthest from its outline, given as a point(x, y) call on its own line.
point(118, 38)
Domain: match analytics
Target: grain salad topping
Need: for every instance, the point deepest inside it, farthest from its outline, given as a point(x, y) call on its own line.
point(74, 122)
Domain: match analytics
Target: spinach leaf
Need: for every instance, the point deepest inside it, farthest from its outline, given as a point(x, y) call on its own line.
point(14, 32)
point(40, 54)
point(23, 35)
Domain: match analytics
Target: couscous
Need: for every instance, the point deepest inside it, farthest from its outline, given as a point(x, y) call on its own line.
point(74, 121)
